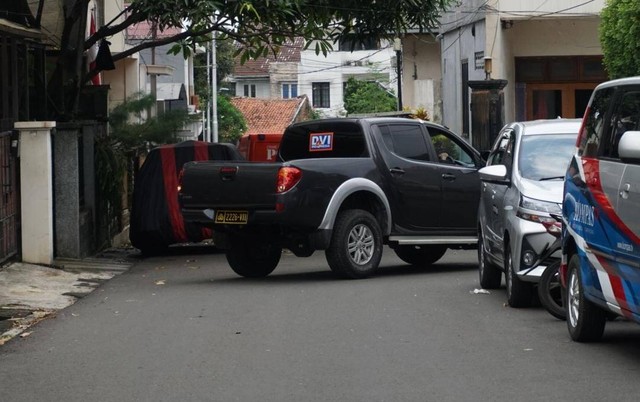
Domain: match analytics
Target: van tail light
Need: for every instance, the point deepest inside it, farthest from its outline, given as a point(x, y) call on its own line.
point(288, 177)
point(583, 129)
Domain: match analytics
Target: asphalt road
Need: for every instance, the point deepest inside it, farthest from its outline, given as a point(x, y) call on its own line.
point(184, 327)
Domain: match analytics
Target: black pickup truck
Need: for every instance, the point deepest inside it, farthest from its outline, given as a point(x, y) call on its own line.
point(346, 186)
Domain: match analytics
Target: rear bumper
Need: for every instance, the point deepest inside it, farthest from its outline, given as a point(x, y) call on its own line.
point(205, 217)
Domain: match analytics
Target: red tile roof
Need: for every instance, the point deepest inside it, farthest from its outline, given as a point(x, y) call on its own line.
point(271, 116)
point(142, 30)
point(289, 52)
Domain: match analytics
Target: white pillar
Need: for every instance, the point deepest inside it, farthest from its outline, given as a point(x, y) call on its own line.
point(36, 191)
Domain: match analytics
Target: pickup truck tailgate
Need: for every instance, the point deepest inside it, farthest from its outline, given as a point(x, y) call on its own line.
point(237, 184)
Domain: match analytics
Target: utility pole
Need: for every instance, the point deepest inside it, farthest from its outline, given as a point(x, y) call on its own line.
point(214, 89)
point(397, 46)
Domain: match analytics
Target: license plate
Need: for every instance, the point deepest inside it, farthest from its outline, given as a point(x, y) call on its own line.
point(232, 217)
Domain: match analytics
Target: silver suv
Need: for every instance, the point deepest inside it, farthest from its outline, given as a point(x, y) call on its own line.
point(521, 189)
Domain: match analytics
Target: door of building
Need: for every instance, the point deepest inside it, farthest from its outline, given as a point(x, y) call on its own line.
point(558, 86)
point(549, 101)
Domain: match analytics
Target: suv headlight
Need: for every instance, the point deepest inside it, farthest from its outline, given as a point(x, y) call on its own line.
point(531, 209)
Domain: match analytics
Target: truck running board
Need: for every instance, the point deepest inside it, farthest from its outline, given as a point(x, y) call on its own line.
point(408, 240)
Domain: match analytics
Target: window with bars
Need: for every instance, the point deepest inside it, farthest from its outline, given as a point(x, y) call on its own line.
point(320, 93)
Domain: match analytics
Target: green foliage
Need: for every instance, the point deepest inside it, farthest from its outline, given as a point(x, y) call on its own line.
point(263, 26)
point(129, 135)
point(444, 144)
point(620, 37)
point(110, 169)
point(129, 132)
point(231, 123)
point(258, 26)
point(224, 66)
point(367, 97)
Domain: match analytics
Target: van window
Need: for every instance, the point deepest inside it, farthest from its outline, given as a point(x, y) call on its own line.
point(594, 125)
point(625, 117)
point(323, 140)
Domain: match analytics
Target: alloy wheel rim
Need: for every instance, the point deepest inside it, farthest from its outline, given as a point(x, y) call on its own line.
point(508, 276)
point(481, 262)
point(573, 300)
point(361, 244)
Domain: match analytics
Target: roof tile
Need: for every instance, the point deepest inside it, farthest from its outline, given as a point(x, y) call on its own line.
point(269, 116)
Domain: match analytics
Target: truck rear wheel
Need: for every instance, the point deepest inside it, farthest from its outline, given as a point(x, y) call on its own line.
point(420, 255)
point(356, 244)
point(253, 258)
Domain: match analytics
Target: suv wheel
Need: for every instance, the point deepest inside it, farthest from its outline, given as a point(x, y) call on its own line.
point(585, 320)
point(253, 258)
point(519, 293)
point(490, 275)
point(356, 244)
point(420, 255)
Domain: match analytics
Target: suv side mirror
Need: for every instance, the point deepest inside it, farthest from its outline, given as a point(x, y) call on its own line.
point(629, 147)
point(494, 174)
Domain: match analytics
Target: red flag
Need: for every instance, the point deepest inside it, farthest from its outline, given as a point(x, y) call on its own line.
point(92, 52)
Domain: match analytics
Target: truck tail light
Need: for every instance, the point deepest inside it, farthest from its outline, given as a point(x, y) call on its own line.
point(288, 177)
point(180, 176)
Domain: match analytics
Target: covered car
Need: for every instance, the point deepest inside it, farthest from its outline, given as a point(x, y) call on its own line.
point(156, 220)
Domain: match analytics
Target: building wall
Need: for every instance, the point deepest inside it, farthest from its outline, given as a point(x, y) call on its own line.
point(124, 80)
point(279, 73)
point(523, 28)
point(263, 86)
point(422, 74)
point(461, 44)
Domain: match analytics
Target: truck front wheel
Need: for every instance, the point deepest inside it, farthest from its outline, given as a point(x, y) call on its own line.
point(356, 244)
point(253, 258)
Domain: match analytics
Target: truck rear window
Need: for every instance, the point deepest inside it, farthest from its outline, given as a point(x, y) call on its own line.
point(323, 140)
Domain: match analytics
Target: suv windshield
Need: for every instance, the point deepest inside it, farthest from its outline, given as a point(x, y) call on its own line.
point(545, 157)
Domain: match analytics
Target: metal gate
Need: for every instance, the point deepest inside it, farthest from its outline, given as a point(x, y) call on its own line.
point(9, 197)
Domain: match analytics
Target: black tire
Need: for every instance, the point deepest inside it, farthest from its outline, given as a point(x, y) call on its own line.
point(356, 244)
point(420, 255)
point(489, 274)
point(519, 293)
point(152, 250)
point(253, 258)
point(550, 291)
point(585, 320)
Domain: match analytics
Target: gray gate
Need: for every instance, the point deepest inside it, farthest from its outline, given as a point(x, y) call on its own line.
point(9, 197)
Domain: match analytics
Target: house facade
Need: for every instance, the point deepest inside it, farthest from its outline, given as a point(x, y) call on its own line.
point(323, 78)
point(547, 51)
point(295, 71)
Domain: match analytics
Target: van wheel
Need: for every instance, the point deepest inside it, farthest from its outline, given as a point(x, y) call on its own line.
point(519, 293)
point(490, 275)
point(420, 255)
point(356, 244)
point(585, 320)
point(253, 258)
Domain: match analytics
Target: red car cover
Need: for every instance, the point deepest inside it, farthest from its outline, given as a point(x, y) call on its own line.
point(156, 220)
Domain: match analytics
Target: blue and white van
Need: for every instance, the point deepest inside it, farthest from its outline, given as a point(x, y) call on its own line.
point(601, 211)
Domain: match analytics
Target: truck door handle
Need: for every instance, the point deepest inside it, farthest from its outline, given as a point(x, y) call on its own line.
point(396, 171)
point(449, 176)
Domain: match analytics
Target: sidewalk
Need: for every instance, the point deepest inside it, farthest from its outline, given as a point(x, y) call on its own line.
point(30, 293)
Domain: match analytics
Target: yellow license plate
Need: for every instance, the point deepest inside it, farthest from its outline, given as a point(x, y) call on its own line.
point(232, 217)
